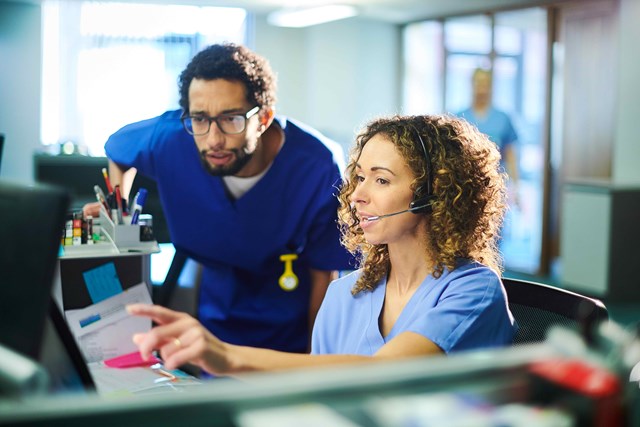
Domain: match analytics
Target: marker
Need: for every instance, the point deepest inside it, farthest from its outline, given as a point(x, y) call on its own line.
point(138, 204)
point(101, 198)
point(106, 180)
point(119, 204)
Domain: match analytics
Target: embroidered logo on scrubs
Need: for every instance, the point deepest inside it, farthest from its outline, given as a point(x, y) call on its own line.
point(288, 281)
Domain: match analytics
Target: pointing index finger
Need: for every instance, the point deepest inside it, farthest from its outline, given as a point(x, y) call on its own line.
point(160, 315)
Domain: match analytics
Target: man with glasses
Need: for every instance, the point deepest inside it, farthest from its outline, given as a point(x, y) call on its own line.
point(252, 200)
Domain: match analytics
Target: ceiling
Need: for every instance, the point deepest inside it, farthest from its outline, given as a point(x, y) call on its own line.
point(394, 11)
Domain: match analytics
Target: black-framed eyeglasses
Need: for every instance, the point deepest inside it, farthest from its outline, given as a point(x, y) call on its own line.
point(230, 124)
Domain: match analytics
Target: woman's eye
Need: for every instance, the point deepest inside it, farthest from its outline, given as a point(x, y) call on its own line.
point(382, 181)
point(359, 178)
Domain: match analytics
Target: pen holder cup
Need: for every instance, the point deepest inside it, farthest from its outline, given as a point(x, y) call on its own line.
point(122, 235)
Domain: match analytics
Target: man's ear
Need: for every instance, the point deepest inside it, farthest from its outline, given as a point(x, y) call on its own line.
point(266, 116)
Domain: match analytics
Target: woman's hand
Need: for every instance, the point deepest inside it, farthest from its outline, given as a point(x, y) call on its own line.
point(180, 339)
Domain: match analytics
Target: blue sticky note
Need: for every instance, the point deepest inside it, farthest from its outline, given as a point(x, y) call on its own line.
point(102, 282)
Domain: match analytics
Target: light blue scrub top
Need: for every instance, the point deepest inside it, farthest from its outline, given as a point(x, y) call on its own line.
point(463, 309)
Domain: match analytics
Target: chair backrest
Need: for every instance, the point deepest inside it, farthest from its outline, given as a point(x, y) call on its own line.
point(538, 307)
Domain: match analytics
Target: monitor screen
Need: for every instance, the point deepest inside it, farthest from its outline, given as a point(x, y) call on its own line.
point(75, 173)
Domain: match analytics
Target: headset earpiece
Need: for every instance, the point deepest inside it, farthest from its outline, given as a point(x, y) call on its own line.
point(422, 204)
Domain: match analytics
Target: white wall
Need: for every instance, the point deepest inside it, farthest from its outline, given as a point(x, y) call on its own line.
point(334, 76)
point(626, 153)
point(20, 84)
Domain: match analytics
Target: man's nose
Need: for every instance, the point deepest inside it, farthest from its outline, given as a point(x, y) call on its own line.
point(215, 137)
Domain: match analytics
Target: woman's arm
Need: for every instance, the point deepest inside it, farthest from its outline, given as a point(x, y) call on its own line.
point(181, 339)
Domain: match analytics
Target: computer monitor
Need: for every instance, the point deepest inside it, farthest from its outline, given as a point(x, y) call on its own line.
point(31, 226)
point(31, 323)
point(75, 173)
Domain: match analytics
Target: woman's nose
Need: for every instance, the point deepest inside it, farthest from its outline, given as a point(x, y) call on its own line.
point(359, 194)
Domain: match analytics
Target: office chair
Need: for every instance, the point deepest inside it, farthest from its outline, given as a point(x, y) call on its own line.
point(538, 307)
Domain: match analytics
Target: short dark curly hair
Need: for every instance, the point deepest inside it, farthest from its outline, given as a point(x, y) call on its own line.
point(468, 188)
point(234, 63)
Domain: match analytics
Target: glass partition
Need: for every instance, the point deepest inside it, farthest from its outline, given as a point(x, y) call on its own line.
point(440, 58)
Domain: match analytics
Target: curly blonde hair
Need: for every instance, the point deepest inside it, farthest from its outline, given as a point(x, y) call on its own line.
point(468, 189)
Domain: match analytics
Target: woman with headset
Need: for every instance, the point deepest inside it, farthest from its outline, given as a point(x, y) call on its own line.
point(421, 206)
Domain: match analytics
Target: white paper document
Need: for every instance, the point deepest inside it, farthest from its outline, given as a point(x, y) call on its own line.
point(104, 330)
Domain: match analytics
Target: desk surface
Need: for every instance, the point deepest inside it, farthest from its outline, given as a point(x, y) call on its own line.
point(350, 392)
point(139, 380)
point(498, 375)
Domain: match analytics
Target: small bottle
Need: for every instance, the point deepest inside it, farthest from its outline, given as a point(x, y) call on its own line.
point(88, 229)
point(68, 231)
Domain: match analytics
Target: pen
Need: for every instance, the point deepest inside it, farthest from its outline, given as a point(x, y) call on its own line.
point(157, 368)
point(138, 204)
point(106, 180)
point(101, 198)
point(119, 204)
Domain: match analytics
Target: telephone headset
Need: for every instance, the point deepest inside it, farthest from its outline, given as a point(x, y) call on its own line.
point(422, 202)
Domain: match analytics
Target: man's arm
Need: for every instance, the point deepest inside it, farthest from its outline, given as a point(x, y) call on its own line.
point(122, 176)
point(511, 163)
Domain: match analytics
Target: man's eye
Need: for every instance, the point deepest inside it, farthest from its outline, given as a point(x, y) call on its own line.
point(228, 119)
point(199, 119)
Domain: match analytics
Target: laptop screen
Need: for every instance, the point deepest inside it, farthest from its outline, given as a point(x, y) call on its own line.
point(61, 356)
